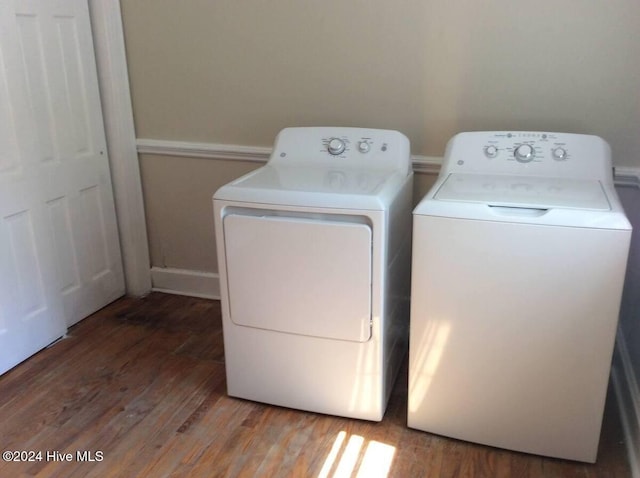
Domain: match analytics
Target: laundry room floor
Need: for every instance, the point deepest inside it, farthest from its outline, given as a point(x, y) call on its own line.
point(138, 389)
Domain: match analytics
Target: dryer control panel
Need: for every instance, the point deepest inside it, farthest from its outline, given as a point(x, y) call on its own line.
point(529, 153)
point(343, 147)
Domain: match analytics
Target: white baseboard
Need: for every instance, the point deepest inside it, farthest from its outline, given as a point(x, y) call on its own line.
point(628, 398)
point(186, 282)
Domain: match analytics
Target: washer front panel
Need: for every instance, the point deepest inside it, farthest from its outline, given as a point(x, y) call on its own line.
point(522, 319)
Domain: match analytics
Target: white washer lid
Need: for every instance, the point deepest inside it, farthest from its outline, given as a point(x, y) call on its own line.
point(524, 192)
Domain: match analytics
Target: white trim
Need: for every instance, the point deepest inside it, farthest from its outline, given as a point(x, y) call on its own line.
point(628, 398)
point(623, 176)
point(117, 112)
point(626, 176)
point(186, 282)
point(426, 164)
point(203, 150)
point(257, 154)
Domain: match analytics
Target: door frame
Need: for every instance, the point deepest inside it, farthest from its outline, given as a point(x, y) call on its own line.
point(113, 80)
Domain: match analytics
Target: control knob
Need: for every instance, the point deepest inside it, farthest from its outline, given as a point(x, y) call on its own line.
point(363, 147)
point(524, 153)
point(559, 153)
point(490, 151)
point(336, 146)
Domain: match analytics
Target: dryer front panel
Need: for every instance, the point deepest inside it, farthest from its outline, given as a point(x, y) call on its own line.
point(299, 275)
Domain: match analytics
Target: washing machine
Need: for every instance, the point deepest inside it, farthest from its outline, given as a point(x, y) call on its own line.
point(314, 258)
point(519, 257)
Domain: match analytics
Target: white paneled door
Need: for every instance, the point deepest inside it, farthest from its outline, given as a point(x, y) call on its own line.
point(59, 252)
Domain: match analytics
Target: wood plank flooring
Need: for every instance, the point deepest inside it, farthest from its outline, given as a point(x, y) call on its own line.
point(141, 386)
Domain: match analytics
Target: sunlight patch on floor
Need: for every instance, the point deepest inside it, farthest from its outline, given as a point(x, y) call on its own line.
point(350, 457)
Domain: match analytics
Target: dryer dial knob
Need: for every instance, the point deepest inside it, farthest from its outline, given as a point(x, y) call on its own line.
point(524, 153)
point(363, 147)
point(336, 146)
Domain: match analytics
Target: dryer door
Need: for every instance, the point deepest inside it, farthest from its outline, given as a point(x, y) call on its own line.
point(299, 276)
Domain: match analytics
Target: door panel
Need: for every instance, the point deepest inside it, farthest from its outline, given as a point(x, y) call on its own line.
point(31, 55)
point(25, 274)
point(64, 244)
point(8, 140)
point(31, 313)
point(299, 276)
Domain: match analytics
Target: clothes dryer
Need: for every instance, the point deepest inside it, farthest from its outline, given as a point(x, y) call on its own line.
point(314, 256)
point(519, 257)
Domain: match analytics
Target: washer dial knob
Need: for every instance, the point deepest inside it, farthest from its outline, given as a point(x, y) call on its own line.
point(524, 153)
point(336, 146)
point(490, 151)
point(559, 153)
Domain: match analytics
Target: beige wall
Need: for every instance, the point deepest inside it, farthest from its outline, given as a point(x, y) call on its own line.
point(178, 201)
point(236, 72)
point(179, 211)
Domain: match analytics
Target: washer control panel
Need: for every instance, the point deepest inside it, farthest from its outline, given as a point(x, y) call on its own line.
point(349, 147)
point(526, 147)
point(529, 153)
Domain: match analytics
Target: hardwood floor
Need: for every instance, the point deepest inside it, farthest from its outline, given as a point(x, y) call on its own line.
point(141, 386)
